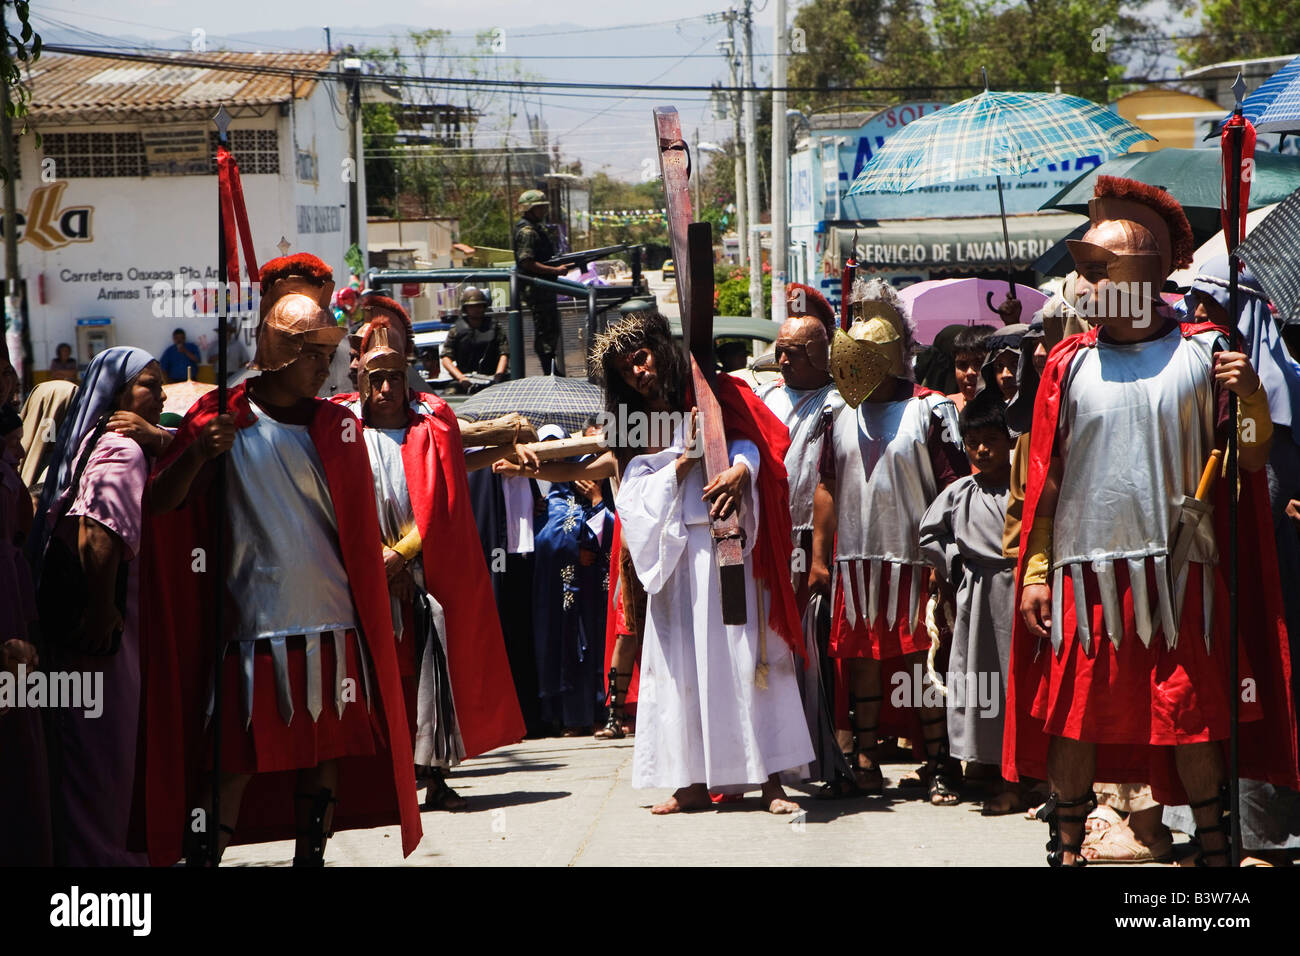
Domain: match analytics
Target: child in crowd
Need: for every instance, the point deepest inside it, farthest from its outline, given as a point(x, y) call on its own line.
point(969, 350)
point(961, 538)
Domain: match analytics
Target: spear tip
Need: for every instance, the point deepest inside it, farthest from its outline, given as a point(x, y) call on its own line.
point(1239, 89)
point(222, 121)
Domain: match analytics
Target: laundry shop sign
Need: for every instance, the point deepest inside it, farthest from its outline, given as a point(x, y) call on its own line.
point(48, 224)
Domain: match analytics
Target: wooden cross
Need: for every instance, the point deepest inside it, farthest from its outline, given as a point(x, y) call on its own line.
point(692, 245)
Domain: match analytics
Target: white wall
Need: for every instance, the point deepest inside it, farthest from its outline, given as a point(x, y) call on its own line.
point(147, 229)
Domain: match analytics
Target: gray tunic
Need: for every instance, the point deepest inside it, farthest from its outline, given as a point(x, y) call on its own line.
point(961, 537)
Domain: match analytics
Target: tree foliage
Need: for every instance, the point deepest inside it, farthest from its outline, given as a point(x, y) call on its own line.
point(903, 49)
point(1241, 30)
point(18, 50)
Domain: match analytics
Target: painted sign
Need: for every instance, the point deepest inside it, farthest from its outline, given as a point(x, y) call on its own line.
point(47, 224)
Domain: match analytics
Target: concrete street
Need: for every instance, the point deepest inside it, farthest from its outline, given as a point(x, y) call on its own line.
point(569, 802)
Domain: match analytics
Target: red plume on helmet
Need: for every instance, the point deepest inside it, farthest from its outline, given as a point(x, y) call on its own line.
point(301, 272)
point(1181, 242)
point(373, 305)
point(805, 300)
point(300, 264)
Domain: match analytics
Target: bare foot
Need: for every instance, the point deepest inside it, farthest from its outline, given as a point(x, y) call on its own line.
point(775, 798)
point(694, 797)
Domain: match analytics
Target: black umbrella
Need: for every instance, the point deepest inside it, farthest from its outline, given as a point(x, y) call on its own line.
point(542, 399)
point(1273, 254)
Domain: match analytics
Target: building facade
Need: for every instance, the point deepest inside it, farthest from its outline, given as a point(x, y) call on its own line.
point(118, 223)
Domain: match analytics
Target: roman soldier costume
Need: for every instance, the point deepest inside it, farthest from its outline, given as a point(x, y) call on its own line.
point(460, 695)
point(1137, 657)
point(309, 669)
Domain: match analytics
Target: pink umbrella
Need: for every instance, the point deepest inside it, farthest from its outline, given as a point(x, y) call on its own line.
point(937, 303)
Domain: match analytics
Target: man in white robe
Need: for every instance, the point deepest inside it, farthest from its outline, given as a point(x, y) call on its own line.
point(719, 705)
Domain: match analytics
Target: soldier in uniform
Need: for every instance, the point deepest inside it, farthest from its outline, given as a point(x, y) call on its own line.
point(533, 247)
point(476, 344)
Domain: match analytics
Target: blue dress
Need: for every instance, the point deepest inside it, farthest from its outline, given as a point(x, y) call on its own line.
point(569, 601)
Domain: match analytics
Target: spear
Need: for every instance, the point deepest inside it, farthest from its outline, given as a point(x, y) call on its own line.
point(1232, 178)
point(222, 122)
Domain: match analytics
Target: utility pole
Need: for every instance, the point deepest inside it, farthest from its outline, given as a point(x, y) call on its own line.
point(352, 72)
point(780, 148)
point(751, 168)
point(728, 47)
point(12, 325)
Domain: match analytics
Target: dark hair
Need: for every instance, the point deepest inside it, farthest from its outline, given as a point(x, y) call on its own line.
point(63, 345)
point(176, 332)
point(642, 330)
point(985, 410)
point(972, 339)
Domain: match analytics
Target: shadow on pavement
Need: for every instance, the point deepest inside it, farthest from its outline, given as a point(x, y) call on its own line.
point(515, 798)
point(459, 773)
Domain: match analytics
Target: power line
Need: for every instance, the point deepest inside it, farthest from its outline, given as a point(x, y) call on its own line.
point(551, 87)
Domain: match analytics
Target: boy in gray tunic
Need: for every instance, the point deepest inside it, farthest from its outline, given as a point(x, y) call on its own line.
point(961, 538)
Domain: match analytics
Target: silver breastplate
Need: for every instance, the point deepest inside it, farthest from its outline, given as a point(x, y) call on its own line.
point(801, 413)
point(286, 570)
point(884, 480)
point(392, 497)
point(1136, 426)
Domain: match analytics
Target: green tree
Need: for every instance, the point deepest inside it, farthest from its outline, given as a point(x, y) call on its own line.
point(911, 50)
point(17, 50)
point(1241, 30)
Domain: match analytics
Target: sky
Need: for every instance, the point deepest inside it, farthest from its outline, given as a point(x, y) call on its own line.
point(617, 40)
point(668, 41)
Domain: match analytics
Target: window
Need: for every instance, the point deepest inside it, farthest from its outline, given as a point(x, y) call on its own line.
point(256, 150)
point(103, 155)
point(99, 155)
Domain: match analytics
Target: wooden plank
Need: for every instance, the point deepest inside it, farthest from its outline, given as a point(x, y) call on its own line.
point(692, 245)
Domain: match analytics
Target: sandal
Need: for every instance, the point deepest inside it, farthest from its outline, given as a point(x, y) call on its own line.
point(1050, 814)
point(615, 725)
point(441, 796)
point(1119, 844)
point(868, 781)
point(842, 786)
point(1100, 821)
point(1224, 826)
point(943, 772)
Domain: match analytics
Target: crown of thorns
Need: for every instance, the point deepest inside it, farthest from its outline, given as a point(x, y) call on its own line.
point(626, 335)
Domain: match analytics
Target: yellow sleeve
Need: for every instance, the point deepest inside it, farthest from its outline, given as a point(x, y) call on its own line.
point(1038, 552)
point(409, 547)
point(1254, 422)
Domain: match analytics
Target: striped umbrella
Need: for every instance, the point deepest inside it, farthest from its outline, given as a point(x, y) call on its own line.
point(995, 134)
point(1275, 106)
point(542, 399)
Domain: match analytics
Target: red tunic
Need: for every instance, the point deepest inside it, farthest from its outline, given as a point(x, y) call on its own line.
point(177, 652)
point(1134, 701)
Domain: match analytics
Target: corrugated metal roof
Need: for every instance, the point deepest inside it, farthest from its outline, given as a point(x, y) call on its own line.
point(67, 85)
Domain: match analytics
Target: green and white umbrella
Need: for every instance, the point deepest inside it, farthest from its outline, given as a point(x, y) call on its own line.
point(995, 134)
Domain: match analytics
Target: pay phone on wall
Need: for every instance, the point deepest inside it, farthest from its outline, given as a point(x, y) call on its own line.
point(94, 335)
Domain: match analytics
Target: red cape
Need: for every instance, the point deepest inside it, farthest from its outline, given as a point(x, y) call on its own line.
point(1267, 746)
point(744, 415)
point(456, 574)
point(178, 643)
